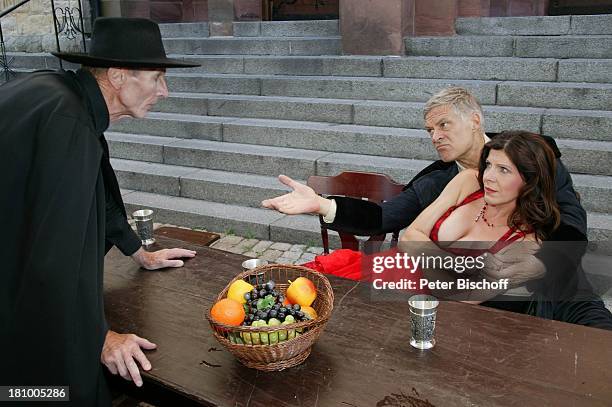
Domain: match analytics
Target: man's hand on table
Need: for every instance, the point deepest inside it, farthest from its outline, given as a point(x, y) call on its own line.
point(120, 351)
point(302, 199)
point(162, 258)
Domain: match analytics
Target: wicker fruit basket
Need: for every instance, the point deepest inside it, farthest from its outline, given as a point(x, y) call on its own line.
point(285, 354)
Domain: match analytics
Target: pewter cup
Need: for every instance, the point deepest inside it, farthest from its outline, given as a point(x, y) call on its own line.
point(254, 263)
point(144, 225)
point(422, 320)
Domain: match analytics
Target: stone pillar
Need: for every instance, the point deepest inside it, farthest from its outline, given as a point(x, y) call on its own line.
point(434, 17)
point(372, 27)
point(247, 10)
point(474, 8)
point(221, 17)
point(378, 27)
point(518, 8)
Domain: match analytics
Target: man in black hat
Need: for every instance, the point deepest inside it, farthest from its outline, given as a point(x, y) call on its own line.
point(63, 211)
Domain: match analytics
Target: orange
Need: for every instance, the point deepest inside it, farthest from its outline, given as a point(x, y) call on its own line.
point(228, 312)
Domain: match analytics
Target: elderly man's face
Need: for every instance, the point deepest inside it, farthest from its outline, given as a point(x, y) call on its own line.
point(142, 89)
point(452, 135)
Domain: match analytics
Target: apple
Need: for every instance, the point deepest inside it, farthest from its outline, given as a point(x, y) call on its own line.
point(302, 291)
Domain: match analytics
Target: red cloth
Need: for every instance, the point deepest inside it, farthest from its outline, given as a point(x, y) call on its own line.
point(354, 265)
point(342, 263)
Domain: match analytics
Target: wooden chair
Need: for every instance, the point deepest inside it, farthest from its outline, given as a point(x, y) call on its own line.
point(373, 186)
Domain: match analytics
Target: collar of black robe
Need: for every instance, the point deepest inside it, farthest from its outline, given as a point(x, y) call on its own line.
point(95, 101)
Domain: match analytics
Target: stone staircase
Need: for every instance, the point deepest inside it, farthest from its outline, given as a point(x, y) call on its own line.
point(278, 98)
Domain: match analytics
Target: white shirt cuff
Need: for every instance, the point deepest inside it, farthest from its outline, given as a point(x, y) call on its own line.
point(331, 214)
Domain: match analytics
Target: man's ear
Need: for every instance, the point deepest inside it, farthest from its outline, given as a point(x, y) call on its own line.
point(116, 77)
point(475, 118)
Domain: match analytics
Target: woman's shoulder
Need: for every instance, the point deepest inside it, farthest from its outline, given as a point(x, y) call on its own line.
point(464, 184)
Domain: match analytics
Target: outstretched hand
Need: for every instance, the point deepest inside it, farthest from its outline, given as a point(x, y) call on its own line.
point(302, 199)
point(121, 352)
point(162, 258)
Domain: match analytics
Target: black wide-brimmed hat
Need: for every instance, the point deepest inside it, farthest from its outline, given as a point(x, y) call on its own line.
point(125, 43)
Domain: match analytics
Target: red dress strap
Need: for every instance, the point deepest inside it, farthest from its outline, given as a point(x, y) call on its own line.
point(433, 235)
point(512, 235)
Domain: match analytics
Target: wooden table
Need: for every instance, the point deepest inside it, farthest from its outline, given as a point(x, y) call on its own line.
point(483, 357)
point(188, 235)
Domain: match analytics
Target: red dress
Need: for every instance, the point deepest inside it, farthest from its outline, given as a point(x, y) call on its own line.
point(512, 235)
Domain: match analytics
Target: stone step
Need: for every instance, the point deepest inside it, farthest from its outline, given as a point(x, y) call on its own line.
point(578, 46)
point(423, 67)
point(570, 95)
point(307, 28)
point(535, 25)
point(585, 70)
point(596, 190)
point(592, 24)
point(567, 46)
point(338, 87)
point(253, 46)
point(269, 225)
point(586, 157)
point(581, 156)
point(386, 142)
point(600, 232)
point(479, 68)
point(177, 30)
point(245, 158)
point(410, 115)
point(175, 125)
point(250, 190)
point(36, 60)
point(574, 124)
point(204, 184)
point(254, 222)
point(254, 159)
point(564, 123)
point(333, 65)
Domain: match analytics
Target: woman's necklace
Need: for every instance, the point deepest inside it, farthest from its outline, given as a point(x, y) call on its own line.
point(482, 214)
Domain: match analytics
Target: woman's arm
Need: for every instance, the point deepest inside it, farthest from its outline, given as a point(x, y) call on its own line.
point(457, 189)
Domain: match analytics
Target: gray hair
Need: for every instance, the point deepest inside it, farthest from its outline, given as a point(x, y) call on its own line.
point(458, 98)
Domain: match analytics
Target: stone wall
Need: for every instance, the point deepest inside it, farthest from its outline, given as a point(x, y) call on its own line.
point(30, 27)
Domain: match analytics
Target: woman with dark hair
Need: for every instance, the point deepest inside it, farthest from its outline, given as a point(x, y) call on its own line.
point(510, 199)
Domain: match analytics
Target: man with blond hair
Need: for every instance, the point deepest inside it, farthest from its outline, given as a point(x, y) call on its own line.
point(455, 123)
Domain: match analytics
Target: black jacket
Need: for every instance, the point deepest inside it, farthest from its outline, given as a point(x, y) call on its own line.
point(61, 211)
point(564, 294)
point(367, 218)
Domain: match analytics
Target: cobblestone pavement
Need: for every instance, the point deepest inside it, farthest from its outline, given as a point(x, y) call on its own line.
point(278, 252)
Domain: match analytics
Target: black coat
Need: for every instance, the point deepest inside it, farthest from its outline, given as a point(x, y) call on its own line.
point(61, 211)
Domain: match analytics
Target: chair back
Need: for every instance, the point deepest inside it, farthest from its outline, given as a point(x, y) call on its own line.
point(374, 187)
